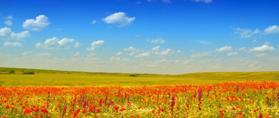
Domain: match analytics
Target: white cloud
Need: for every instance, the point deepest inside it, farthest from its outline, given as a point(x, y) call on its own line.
point(5, 31)
point(19, 35)
point(157, 41)
point(119, 18)
point(263, 48)
point(131, 50)
point(165, 52)
point(12, 44)
point(155, 51)
point(36, 24)
point(272, 29)
point(144, 54)
point(8, 20)
point(12, 39)
point(55, 42)
point(250, 33)
point(95, 44)
point(134, 52)
point(246, 33)
point(65, 41)
point(225, 49)
point(204, 1)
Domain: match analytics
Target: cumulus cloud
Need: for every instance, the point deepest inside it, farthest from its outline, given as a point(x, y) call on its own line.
point(119, 18)
point(5, 31)
point(8, 20)
point(229, 50)
point(134, 52)
point(250, 33)
point(20, 35)
point(246, 33)
point(225, 48)
point(155, 51)
point(12, 39)
point(96, 44)
point(272, 29)
point(36, 24)
point(263, 48)
point(55, 42)
point(163, 52)
point(12, 44)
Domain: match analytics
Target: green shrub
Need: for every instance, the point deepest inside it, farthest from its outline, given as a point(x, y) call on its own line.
point(28, 72)
point(11, 71)
point(133, 75)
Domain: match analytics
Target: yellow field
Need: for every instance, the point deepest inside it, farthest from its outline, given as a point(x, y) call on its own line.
point(32, 77)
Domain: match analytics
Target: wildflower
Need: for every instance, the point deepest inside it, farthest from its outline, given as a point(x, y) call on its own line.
point(76, 113)
point(200, 98)
point(27, 111)
point(172, 103)
point(44, 110)
point(35, 108)
point(7, 106)
point(222, 111)
point(91, 108)
point(239, 115)
point(116, 108)
point(123, 109)
point(64, 108)
point(84, 111)
point(98, 110)
point(260, 115)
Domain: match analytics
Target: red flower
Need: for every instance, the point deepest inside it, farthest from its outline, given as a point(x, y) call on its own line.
point(36, 108)
point(7, 106)
point(44, 110)
point(123, 109)
point(98, 110)
point(261, 115)
point(27, 111)
point(65, 109)
point(84, 111)
point(172, 103)
point(76, 113)
point(116, 108)
point(91, 108)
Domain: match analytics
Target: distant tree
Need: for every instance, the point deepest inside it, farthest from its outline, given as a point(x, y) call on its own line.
point(133, 75)
point(11, 71)
point(28, 72)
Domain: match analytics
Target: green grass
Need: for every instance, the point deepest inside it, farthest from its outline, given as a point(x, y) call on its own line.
point(37, 77)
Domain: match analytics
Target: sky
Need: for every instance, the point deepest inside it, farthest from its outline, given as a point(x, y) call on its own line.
point(140, 36)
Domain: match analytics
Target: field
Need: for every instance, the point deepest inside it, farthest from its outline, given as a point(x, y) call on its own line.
point(46, 93)
point(33, 77)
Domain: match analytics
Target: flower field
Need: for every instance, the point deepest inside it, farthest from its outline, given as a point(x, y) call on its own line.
point(223, 100)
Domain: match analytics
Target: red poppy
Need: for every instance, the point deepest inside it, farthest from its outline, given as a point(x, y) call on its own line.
point(27, 111)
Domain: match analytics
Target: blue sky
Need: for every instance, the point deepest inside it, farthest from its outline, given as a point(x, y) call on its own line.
point(144, 36)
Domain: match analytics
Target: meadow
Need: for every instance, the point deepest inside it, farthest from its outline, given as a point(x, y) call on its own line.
point(36, 77)
point(36, 93)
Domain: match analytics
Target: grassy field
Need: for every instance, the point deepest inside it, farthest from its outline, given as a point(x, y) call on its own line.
point(36, 77)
